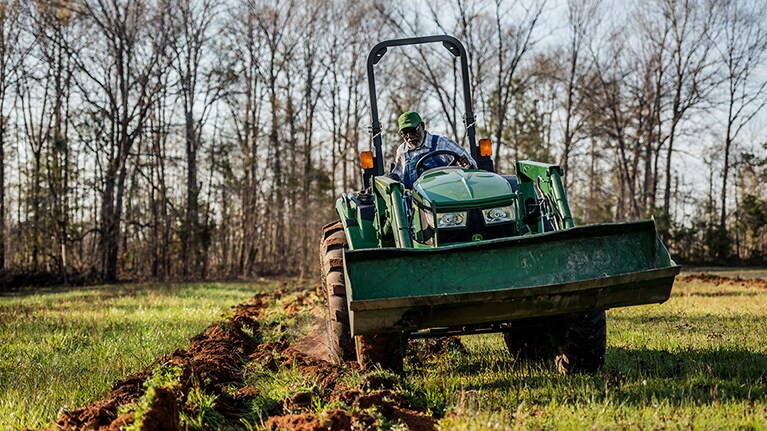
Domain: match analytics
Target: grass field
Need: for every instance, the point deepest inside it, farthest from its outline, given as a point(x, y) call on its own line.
point(61, 349)
point(698, 361)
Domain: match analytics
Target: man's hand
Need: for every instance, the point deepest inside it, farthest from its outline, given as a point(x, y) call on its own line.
point(464, 162)
point(393, 176)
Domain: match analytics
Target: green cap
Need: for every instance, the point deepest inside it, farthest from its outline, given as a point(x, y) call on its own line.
point(408, 120)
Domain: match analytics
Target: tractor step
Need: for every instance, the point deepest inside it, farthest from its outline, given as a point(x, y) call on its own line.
point(585, 268)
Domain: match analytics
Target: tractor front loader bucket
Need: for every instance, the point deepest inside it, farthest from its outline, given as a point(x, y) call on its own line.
point(586, 268)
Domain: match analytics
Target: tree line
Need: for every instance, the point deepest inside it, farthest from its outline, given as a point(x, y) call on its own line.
point(203, 139)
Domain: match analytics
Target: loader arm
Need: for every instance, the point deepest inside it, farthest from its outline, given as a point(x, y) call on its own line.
point(542, 183)
point(391, 215)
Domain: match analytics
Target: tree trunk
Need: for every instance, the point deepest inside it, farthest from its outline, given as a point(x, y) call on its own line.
point(109, 227)
point(568, 135)
point(190, 244)
point(2, 192)
point(36, 208)
point(722, 251)
point(669, 152)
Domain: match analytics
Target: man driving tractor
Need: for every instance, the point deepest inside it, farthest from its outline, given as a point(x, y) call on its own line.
point(417, 143)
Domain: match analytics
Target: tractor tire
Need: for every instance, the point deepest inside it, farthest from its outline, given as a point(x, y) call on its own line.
point(384, 350)
point(332, 246)
point(583, 342)
point(529, 340)
point(576, 341)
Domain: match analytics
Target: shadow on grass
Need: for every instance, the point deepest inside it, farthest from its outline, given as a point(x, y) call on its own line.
point(105, 291)
point(24, 291)
point(630, 376)
point(722, 362)
point(686, 375)
point(730, 322)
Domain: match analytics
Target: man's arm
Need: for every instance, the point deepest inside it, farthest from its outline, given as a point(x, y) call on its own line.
point(465, 159)
point(399, 164)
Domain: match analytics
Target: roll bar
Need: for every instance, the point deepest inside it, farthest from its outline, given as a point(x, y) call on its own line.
point(456, 48)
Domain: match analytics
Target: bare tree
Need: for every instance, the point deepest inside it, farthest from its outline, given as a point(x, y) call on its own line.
point(274, 25)
point(199, 89)
point(128, 48)
point(475, 27)
point(243, 59)
point(582, 18)
point(314, 75)
point(35, 98)
point(613, 119)
point(519, 36)
point(160, 220)
point(10, 50)
point(655, 33)
point(690, 71)
point(742, 51)
point(54, 32)
point(618, 106)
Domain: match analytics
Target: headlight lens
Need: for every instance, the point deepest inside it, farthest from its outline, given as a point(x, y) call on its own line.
point(498, 215)
point(427, 219)
point(450, 220)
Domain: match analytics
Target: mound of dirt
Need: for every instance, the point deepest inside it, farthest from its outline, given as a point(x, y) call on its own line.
point(214, 362)
point(103, 413)
point(331, 420)
point(163, 413)
point(366, 409)
point(717, 280)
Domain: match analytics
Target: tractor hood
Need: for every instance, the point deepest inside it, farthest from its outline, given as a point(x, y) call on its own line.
point(453, 188)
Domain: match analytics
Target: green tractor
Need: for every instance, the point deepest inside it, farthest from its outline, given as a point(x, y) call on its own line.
point(470, 251)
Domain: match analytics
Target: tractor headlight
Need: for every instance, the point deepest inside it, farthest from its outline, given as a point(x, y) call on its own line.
point(498, 215)
point(427, 219)
point(450, 220)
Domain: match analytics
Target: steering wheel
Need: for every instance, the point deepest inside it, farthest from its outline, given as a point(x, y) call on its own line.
point(420, 168)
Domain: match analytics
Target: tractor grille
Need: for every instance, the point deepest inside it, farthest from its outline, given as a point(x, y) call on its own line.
point(475, 224)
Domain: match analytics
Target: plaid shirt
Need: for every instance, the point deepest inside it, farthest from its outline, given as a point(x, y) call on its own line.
point(404, 152)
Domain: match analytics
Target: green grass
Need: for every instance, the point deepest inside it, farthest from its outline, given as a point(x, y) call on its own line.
point(696, 362)
point(62, 349)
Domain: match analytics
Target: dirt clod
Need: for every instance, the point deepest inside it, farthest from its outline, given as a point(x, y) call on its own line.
point(373, 382)
point(163, 413)
point(300, 400)
point(213, 360)
point(331, 420)
point(214, 363)
point(93, 416)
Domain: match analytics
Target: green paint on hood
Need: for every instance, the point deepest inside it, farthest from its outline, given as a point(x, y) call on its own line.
point(463, 188)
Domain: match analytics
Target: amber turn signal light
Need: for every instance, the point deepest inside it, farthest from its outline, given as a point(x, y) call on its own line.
point(366, 159)
point(485, 147)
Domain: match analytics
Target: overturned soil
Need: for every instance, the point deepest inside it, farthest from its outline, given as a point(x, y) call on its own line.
point(758, 283)
point(216, 362)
